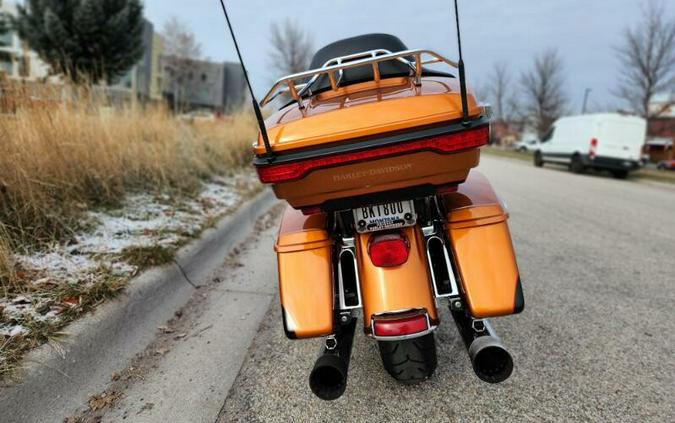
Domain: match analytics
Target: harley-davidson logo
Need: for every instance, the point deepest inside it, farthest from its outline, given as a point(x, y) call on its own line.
point(372, 172)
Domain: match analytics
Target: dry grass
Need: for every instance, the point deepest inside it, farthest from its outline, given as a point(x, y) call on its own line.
point(7, 272)
point(57, 159)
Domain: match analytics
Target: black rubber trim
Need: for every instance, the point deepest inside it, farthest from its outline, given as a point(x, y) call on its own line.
point(361, 144)
point(599, 162)
point(558, 155)
point(519, 305)
point(603, 162)
point(289, 333)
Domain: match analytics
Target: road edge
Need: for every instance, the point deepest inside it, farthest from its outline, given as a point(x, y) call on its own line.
point(58, 378)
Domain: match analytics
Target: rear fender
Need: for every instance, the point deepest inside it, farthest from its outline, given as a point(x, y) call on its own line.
point(392, 289)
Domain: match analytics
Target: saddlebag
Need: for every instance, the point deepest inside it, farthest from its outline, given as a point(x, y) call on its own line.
point(481, 243)
point(305, 275)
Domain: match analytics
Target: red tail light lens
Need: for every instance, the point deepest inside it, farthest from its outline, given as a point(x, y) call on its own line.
point(388, 250)
point(593, 147)
point(450, 143)
point(402, 326)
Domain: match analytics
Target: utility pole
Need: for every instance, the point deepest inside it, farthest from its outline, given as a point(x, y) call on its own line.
point(583, 107)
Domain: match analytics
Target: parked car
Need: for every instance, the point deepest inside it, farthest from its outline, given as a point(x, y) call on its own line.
point(526, 145)
point(666, 165)
point(600, 141)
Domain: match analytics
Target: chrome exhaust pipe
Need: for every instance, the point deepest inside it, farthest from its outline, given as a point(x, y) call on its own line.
point(490, 359)
point(328, 379)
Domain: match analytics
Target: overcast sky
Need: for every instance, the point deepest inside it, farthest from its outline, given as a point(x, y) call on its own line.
point(583, 31)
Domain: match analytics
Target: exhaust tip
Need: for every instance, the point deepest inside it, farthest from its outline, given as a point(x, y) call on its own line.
point(328, 379)
point(491, 361)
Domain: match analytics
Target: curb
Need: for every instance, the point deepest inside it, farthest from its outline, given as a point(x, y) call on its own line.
point(57, 381)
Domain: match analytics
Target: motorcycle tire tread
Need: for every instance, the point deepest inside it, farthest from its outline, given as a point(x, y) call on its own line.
point(409, 361)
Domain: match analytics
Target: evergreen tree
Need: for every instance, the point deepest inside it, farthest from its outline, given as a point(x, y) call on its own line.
point(86, 40)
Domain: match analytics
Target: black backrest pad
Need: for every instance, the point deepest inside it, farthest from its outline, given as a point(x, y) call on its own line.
point(361, 43)
point(357, 45)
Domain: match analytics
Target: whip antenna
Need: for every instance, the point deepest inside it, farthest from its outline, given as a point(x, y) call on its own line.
point(256, 106)
point(462, 76)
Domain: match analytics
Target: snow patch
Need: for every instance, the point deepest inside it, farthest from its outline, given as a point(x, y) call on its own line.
point(144, 220)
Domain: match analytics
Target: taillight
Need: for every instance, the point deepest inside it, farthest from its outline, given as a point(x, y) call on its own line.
point(283, 172)
point(389, 249)
point(407, 325)
point(593, 147)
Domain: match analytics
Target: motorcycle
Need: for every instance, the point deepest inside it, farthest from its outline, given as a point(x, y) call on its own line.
point(374, 152)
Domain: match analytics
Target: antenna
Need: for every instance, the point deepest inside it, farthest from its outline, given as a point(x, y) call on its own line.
point(256, 106)
point(462, 76)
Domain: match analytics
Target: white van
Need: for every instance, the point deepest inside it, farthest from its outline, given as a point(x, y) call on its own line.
point(600, 141)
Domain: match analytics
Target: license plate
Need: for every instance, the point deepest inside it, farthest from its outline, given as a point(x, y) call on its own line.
point(396, 214)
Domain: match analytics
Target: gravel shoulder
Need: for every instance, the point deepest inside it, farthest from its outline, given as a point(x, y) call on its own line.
point(595, 342)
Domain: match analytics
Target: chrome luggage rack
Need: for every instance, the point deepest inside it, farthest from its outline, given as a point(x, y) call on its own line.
point(294, 85)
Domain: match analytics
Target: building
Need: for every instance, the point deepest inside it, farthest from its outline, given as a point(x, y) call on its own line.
point(191, 85)
point(503, 133)
point(186, 84)
point(157, 68)
point(17, 61)
point(140, 78)
point(235, 90)
point(662, 110)
point(661, 128)
point(659, 148)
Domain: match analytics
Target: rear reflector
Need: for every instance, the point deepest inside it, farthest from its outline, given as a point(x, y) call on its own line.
point(388, 250)
point(449, 143)
point(400, 327)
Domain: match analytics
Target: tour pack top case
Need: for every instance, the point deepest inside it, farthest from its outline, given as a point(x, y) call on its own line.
point(369, 126)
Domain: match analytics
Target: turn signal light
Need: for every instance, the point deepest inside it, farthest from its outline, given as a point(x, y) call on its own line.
point(449, 143)
point(388, 250)
point(400, 327)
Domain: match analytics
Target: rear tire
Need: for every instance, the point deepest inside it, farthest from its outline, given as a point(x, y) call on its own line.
point(409, 361)
point(620, 174)
point(538, 159)
point(577, 165)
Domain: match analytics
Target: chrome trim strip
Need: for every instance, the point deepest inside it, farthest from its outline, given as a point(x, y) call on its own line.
point(454, 290)
point(348, 247)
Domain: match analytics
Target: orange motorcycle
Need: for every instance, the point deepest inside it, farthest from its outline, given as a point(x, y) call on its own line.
point(386, 219)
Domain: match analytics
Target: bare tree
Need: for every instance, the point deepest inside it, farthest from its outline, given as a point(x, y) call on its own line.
point(500, 90)
point(292, 47)
point(544, 98)
point(647, 57)
point(181, 52)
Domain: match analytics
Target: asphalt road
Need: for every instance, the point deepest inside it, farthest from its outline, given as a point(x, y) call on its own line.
point(595, 343)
